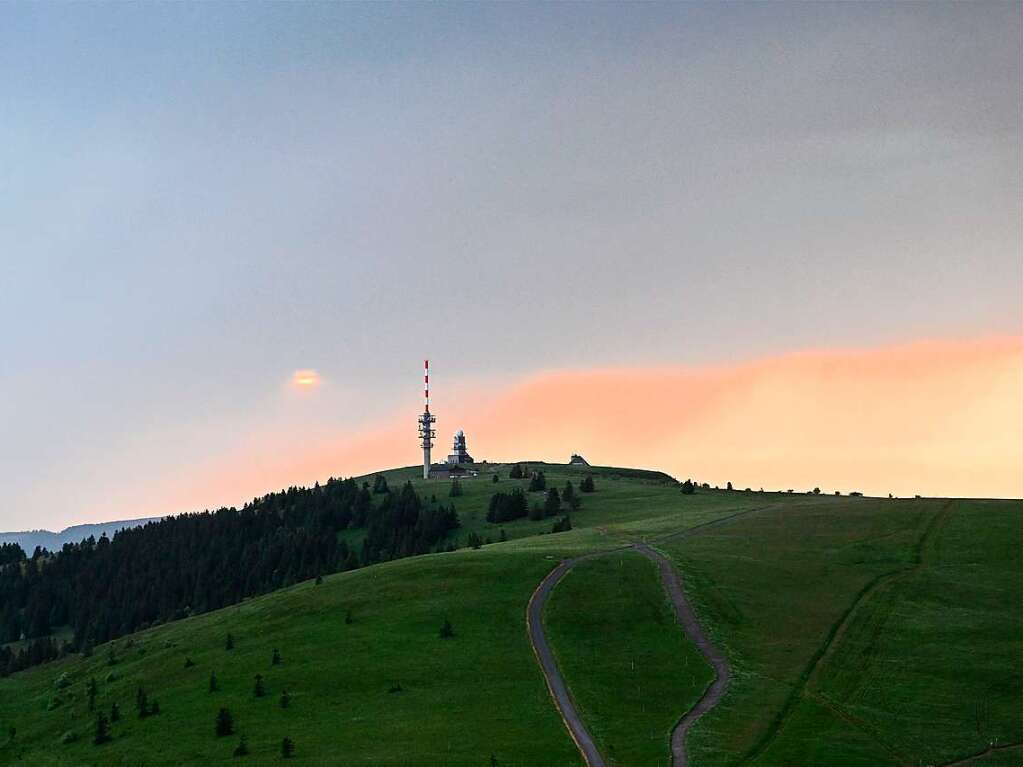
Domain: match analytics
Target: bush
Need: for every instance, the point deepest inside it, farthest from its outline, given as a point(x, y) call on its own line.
point(495, 479)
point(537, 482)
point(242, 749)
point(473, 540)
point(62, 682)
point(258, 690)
point(287, 748)
point(586, 485)
point(563, 525)
point(688, 488)
point(516, 472)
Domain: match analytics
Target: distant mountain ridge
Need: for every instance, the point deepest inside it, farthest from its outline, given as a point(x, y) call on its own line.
point(29, 539)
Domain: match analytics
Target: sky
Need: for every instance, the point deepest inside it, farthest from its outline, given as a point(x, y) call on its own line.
point(778, 245)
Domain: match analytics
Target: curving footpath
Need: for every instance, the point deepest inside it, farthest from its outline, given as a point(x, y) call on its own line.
point(691, 626)
point(672, 583)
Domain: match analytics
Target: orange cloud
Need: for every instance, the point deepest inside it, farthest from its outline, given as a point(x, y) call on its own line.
point(936, 418)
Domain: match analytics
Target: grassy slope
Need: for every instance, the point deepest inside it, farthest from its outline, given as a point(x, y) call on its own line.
point(632, 672)
point(933, 595)
point(932, 637)
point(477, 694)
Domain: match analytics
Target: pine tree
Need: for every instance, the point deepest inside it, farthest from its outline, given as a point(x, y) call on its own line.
point(242, 749)
point(189, 663)
point(285, 699)
point(115, 712)
point(213, 682)
point(568, 494)
point(141, 703)
point(456, 489)
point(90, 691)
point(688, 488)
point(495, 479)
point(225, 723)
point(516, 472)
point(446, 630)
point(503, 537)
point(258, 690)
point(229, 641)
point(102, 730)
point(586, 485)
point(552, 504)
point(275, 659)
point(287, 748)
point(537, 482)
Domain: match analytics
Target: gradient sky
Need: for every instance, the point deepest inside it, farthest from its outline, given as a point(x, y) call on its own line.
point(199, 200)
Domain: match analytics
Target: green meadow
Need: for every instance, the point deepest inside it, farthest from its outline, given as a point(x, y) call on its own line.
point(860, 631)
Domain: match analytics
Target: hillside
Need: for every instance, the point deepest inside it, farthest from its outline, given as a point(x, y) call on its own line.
point(859, 631)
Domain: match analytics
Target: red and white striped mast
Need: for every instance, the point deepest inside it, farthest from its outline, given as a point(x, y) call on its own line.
point(426, 421)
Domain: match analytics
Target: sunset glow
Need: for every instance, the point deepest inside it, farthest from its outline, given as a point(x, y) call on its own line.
point(305, 379)
point(935, 418)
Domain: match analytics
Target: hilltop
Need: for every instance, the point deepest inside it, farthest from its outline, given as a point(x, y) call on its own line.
point(858, 631)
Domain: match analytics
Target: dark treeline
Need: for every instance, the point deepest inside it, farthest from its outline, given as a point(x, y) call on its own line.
point(194, 563)
point(10, 553)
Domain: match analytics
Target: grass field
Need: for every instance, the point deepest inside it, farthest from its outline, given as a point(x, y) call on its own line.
point(863, 632)
point(860, 631)
point(632, 672)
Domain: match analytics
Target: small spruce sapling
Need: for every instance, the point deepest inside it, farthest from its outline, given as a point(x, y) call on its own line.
point(446, 630)
point(225, 723)
point(102, 730)
point(287, 748)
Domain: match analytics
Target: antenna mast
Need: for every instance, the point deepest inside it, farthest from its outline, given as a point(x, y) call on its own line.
point(426, 421)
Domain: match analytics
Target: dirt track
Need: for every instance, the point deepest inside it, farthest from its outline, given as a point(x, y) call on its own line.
point(672, 583)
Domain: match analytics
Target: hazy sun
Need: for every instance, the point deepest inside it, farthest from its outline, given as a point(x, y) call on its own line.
point(305, 379)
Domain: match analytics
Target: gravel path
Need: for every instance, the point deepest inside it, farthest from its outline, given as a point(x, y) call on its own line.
point(672, 583)
point(691, 626)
